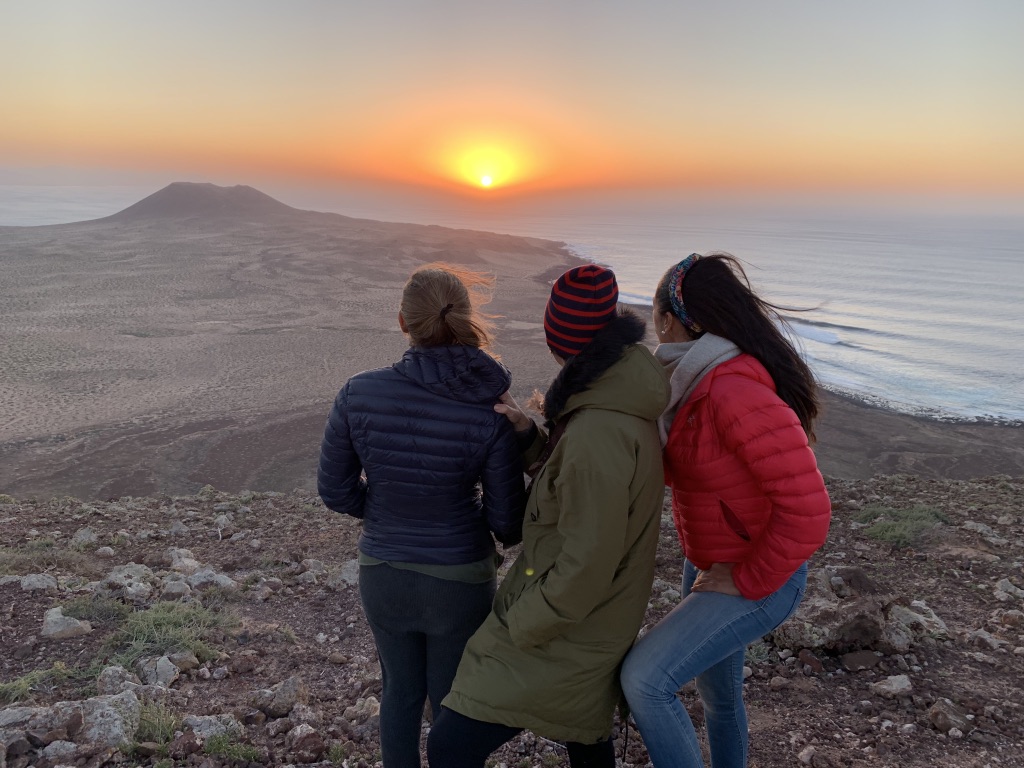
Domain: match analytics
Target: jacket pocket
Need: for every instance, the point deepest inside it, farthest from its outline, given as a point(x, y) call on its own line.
point(733, 521)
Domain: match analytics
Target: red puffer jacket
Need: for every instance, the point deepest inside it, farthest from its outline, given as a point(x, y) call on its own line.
point(745, 485)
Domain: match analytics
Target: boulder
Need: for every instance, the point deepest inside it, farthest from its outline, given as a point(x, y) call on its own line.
point(944, 715)
point(183, 561)
point(845, 610)
point(205, 726)
point(57, 626)
point(279, 700)
point(893, 687)
point(159, 671)
point(132, 582)
point(38, 582)
point(84, 537)
point(115, 679)
point(207, 578)
point(345, 577)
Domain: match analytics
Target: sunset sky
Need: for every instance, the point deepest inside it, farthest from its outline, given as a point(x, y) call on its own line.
point(910, 95)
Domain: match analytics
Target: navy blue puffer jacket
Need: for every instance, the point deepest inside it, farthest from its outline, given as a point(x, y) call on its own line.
point(417, 451)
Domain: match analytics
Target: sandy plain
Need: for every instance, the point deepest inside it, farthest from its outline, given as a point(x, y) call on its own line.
point(199, 337)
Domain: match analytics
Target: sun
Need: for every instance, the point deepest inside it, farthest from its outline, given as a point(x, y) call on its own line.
point(485, 181)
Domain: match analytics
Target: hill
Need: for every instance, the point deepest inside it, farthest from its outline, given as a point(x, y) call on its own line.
point(182, 200)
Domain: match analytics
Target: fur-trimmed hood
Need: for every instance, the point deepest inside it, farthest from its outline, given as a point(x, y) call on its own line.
point(614, 372)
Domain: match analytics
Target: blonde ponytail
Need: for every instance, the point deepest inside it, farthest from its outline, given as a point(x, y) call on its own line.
point(440, 306)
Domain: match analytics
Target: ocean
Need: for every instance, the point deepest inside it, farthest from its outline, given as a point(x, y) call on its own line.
point(912, 309)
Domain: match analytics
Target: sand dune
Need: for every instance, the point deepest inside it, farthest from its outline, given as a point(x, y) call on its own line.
point(200, 335)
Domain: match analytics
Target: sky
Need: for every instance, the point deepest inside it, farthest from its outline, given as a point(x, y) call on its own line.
point(519, 98)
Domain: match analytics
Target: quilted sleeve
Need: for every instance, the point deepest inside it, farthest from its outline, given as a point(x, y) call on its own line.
point(339, 478)
point(504, 489)
point(765, 434)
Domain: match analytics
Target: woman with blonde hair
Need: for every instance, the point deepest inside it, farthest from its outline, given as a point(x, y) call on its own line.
point(418, 453)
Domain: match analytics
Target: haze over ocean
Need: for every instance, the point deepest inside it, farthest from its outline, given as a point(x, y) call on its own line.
point(913, 309)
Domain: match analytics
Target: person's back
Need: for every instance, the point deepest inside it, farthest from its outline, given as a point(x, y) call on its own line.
point(419, 454)
point(425, 434)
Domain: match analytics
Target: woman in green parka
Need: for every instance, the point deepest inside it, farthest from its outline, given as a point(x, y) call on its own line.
point(547, 657)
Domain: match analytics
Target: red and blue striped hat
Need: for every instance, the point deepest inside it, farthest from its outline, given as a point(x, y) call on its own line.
point(582, 302)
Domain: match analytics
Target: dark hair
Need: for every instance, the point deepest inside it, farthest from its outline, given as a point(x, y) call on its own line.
point(440, 306)
point(719, 299)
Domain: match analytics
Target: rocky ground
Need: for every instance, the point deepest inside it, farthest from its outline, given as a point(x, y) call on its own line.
point(225, 630)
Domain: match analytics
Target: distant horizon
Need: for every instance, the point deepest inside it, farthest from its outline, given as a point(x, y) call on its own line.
point(78, 193)
point(483, 101)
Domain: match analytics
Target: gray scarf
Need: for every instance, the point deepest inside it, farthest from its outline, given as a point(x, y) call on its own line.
point(687, 362)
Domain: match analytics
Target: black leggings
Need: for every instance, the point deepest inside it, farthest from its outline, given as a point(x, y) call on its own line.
point(457, 741)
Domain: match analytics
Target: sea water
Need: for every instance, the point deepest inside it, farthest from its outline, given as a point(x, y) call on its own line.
point(911, 309)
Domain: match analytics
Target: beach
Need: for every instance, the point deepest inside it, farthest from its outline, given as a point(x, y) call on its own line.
point(199, 337)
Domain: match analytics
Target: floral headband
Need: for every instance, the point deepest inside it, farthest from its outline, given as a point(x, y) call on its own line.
point(675, 289)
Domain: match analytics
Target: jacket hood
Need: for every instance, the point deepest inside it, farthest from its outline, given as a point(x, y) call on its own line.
point(614, 372)
point(458, 372)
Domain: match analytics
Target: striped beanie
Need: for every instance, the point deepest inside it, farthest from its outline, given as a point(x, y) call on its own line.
point(582, 302)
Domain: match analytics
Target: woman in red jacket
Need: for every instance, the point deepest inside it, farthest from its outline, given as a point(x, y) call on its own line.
point(748, 501)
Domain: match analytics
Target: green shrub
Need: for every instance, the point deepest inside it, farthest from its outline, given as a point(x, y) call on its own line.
point(22, 687)
point(226, 746)
point(157, 723)
point(899, 527)
point(166, 628)
point(97, 610)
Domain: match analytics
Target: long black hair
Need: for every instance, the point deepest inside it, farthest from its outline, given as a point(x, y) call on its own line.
point(719, 300)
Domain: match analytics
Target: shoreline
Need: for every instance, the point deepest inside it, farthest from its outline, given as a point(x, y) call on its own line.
point(228, 379)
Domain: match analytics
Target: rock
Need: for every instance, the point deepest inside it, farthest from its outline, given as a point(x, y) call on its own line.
point(57, 626)
point(1012, 618)
point(38, 582)
point(306, 745)
point(159, 671)
point(147, 748)
point(893, 687)
point(207, 578)
point(981, 638)
point(778, 683)
point(84, 537)
point(60, 751)
point(344, 577)
point(183, 746)
point(132, 582)
point(221, 522)
point(206, 726)
point(107, 721)
point(856, 661)
point(944, 715)
point(303, 713)
point(105, 553)
point(184, 660)
point(25, 649)
point(313, 566)
point(1007, 587)
point(808, 659)
point(183, 561)
point(178, 528)
point(115, 679)
point(363, 710)
point(806, 756)
point(174, 591)
point(279, 700)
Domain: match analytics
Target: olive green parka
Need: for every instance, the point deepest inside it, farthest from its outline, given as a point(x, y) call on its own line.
point(547, 657)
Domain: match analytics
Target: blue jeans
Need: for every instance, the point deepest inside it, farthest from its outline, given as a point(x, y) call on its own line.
point(704, 638)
